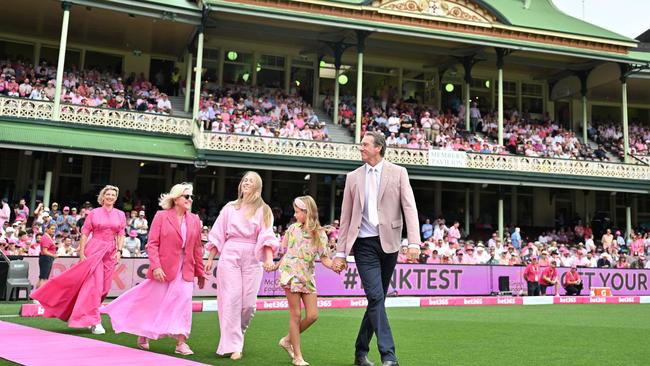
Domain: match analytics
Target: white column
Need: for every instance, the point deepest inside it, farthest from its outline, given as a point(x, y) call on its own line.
point(335, 112)
point(287, 74)
point(500, 108)
point(188, 82)
point(56, 113)
point(359, 106)
point(626, 139)
point(467, 96)
point(197, 76)
point(500, 219)
point(47, 188)
point(584, 119)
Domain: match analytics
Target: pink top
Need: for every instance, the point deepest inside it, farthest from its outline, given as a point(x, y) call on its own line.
point(105, 225)
point(233, 227)
point(47, 243)
point(532, 272)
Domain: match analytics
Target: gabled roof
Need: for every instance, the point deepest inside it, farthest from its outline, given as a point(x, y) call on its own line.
point(544, 15)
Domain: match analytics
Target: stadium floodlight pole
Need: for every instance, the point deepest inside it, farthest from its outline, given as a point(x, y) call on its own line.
point(188, 81)
point(197, 73)
point(361, 47)
point(625, 68)
point(56, 112)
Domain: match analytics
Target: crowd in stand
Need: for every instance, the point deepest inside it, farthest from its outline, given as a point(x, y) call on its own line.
point(610, 136)
point(90, 87)
point(444, 245)
point(410, 125)
point(260, 112)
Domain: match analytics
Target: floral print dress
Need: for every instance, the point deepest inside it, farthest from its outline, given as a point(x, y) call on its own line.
point(297, 267)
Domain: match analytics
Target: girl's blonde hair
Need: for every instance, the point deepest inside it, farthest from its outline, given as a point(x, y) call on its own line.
point(312, 224)
point(254, 200)
point(166, 200)
point(100, 196)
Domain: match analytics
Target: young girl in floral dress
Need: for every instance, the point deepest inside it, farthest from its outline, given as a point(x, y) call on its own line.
point(304, 242)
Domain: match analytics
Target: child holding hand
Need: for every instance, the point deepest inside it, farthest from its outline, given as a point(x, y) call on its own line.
point(304, 241)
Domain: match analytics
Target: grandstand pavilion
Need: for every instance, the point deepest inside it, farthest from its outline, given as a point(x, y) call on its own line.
point(504, 54)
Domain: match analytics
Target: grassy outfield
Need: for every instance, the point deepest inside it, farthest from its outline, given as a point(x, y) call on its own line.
point(499, 335)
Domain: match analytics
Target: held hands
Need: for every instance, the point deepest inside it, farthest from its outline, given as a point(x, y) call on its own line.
point(269, 266)
point(159, 275)
point(413, 254)
point(339, 264)
point(201, 282)
point(208, 265)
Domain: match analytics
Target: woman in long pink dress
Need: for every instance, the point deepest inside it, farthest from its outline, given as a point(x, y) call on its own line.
point(76, 295)
point(243, 237)
point(161, 306)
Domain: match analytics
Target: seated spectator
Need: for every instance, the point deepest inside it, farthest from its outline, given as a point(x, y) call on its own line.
point(132, 243)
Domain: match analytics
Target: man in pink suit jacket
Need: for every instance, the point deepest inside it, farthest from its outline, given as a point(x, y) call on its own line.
point(371, 226)
point(165, 228)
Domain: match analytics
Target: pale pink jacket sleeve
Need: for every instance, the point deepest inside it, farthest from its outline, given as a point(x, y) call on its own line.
point(265, 238)
point(218, 234)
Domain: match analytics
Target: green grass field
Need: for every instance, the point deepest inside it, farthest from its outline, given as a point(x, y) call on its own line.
point(518, 335)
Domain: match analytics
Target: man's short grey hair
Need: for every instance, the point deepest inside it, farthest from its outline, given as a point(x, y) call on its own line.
point(379, 139)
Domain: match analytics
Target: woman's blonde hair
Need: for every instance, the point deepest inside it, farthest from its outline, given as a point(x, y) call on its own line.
point(100, 196)
point(312, 224)
point(254, 201)
point(166, 200)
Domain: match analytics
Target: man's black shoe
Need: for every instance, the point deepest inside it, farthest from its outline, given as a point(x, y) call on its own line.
point(362, 361)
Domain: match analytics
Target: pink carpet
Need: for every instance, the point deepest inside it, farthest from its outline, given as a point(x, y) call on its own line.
point(33, 347)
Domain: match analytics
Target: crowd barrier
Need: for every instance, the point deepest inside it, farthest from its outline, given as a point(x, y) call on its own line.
point(408, 279)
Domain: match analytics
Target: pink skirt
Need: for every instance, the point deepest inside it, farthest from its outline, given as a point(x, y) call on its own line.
point(154, 309)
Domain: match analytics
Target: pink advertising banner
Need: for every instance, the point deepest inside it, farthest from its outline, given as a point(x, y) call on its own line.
point(408, 279)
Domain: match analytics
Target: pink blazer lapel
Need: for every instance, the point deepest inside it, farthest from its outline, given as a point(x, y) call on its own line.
point(171, 217)
point(361, 186)
point(385, 178)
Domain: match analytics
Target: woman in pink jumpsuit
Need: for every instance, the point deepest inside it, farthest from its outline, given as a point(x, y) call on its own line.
point(243, 237)
point(76, 295)
point(161, 306)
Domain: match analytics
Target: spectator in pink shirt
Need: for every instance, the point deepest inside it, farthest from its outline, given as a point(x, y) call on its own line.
point(549, 278)
point(454, 234)
point(531, 276)
point(572, 282)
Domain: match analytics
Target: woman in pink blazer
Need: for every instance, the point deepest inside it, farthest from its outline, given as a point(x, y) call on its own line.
point(161, 306)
